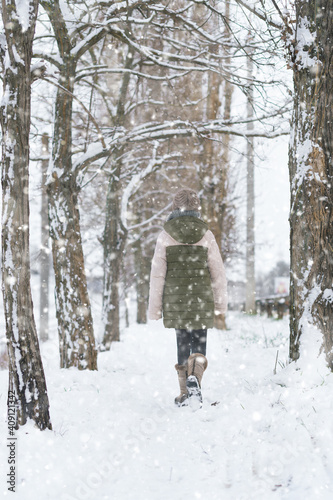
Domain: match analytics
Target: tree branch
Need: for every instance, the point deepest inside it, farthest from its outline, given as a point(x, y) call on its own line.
point(260, 15)
point(56, 84)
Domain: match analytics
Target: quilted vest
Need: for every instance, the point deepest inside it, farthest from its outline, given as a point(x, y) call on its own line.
point(188, 300)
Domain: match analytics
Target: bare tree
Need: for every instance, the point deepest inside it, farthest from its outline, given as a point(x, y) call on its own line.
point(26, 374)
point(75, 324)
point(311, 172)
point(307, 33)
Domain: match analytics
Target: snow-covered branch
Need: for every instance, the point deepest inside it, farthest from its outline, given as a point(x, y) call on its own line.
point(53, 59)
point(137, 179)
point(179, 128)
point(261, 14)
point(94, 152)
point(56, 84)
point(165, 131)
point(165, 59)
point(104, 69)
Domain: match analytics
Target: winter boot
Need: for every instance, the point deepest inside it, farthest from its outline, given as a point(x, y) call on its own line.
point(196, 365)
point(182, 399)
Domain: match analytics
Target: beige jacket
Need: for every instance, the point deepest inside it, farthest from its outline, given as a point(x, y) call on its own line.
point(159, 269)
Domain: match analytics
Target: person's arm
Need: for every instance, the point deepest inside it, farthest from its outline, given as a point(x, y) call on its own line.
point(218, 276)
point(157, 280)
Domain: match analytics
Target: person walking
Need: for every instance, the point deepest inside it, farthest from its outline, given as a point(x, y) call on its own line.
point(188, 288)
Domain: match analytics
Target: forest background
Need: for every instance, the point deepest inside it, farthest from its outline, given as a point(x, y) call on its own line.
point(132, 100)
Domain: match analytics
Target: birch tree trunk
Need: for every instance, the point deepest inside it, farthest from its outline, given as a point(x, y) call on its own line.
point(26, 374)
point(311, 178)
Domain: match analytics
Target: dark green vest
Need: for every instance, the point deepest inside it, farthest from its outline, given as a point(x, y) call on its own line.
point(188, 300)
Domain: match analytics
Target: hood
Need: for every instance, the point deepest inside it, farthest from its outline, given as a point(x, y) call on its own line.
point(186, 229)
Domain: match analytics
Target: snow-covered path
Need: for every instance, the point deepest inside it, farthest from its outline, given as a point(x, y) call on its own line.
point(118, 436)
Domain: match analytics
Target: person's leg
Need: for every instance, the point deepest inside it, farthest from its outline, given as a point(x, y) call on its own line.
point(183, 346)
point(199, 341)
point(183, 352)
point(197, 364)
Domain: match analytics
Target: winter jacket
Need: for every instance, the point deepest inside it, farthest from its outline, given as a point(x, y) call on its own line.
point(187, 280)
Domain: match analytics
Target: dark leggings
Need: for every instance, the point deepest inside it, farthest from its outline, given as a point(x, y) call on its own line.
point(189, 342)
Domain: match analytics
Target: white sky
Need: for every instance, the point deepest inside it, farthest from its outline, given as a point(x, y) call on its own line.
point(272, 205)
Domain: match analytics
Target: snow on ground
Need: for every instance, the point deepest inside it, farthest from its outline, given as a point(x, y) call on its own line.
point(117, 434)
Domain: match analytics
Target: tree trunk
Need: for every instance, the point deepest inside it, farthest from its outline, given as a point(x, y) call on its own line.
point(210, 179)
point(311, 171)
point(115, 235)
point(250, 237)
point(223, 202)
point(142, 270)
point(222, 215)
point(213, 171)
point(75, 324)
point(26, 374)
point(126, 295)
point(44, 254)
point(114, 242)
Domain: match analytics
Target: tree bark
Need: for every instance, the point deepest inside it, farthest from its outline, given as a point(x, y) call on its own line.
point(214, 174)
point(44, 253)
point(26, 373)
point(224, 203)
point(311, 171)
point(142, 270)
point(75, 323)
point(223, 216)
point(210, 179)
point(115, 235)
point(114, 242)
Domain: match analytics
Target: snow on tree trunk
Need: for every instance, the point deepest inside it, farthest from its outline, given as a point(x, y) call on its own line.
point(26, 373)
point(310, 165)
point(75, 324)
